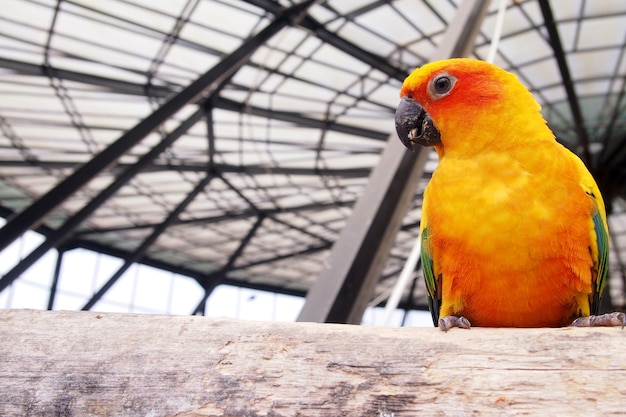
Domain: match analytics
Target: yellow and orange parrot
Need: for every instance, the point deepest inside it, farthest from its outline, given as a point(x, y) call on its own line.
point(514, 230)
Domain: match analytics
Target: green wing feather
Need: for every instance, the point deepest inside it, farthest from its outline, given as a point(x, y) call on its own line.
point(434, 297)
point(600, 265)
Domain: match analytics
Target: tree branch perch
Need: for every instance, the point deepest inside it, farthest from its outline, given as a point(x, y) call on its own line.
point(83, 363)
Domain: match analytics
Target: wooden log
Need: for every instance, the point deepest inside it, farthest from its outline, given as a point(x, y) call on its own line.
point(96, 364)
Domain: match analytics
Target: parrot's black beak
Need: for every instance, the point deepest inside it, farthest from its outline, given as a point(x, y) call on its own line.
point(414, 125)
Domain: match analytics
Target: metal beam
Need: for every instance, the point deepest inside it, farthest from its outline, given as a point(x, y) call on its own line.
point(222, 71)
point(200, 276)
point(271, 214)
point(375, 61)
point(216, 278)
point(568, 84)
point(298, 119)
point(345, 286)
point(124, 87)
point(149, 241)
point(361, 172)
point(231, 215)
point(210, 135)
point(55, 278)
point(111, 84)
point(57, 237)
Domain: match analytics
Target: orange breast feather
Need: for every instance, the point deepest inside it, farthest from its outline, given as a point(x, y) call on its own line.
point(512, 248)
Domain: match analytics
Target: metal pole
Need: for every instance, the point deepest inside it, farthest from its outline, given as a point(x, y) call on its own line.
point(215, 279)
point(145, 245)
point(343, 289)
point(55, 278)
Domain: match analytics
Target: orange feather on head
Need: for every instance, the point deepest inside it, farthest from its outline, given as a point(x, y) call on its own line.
point(479, 88)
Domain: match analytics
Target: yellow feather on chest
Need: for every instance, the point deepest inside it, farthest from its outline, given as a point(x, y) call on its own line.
point(485, 200)
point(507, 228)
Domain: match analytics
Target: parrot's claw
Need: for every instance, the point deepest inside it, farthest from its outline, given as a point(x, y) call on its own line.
point(448, 322)
point(604, 320)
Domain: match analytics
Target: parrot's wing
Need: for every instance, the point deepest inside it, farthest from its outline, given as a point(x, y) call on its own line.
point(600, 254)
point(434, 295)
point(598, 239)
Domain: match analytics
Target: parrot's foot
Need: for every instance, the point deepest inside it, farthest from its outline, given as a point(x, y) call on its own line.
point(604, 320)
point(448, 322)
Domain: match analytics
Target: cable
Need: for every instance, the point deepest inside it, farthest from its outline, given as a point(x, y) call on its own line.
point(497, 32)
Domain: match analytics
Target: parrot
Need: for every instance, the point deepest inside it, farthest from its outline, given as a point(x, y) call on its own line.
point(513, 226)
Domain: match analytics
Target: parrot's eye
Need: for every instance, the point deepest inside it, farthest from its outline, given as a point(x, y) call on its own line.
point(441, 85)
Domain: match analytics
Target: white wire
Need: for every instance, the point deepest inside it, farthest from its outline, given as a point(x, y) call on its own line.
point(403, 280)
point(497, 32)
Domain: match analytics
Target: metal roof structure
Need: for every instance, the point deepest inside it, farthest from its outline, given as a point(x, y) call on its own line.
point(230, 140)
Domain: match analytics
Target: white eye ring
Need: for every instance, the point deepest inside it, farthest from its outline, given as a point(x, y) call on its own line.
point(441, 85)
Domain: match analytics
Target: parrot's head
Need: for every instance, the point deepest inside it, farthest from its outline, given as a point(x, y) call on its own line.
point(463, 105)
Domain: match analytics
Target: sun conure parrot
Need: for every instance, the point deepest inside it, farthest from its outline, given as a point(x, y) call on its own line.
point(514, 230)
